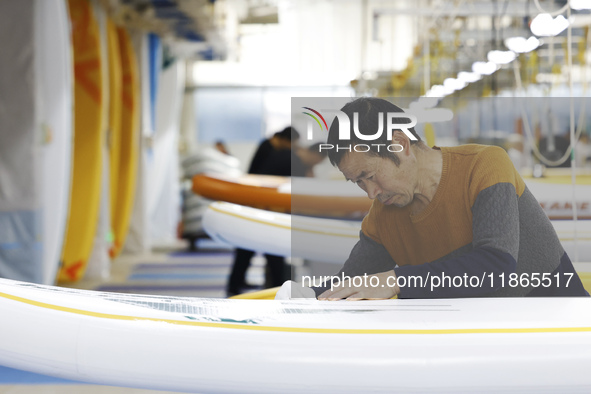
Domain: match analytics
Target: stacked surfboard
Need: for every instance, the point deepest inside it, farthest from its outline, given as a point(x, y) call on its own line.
point(206, 160)
point(272, 232)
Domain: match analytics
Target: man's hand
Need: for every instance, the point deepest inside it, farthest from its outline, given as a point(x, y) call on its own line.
point(380, 286)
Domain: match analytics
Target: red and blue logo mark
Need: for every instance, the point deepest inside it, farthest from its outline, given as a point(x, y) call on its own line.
point(315, 118)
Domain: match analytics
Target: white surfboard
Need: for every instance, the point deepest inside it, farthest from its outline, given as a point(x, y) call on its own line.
point(99, 264)
point(35, 137)
point(194, 207)
point(138, 238)
point(209, 160)
point(163, 178)
point(55, 95)
point(180, 344)
point(272, 232)
point(326, 240)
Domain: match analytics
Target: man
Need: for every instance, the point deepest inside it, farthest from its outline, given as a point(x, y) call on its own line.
point(273, 157)
point(445, 222)
point(303, 160)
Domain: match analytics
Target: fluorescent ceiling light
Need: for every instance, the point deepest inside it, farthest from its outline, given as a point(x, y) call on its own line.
point(454, 84)
point(483, 68)
point(580, 4)
point(501, 57)
point(468, 77)
point(544, 25)
point(447, 90)
point(437, 91)
point(521, 45)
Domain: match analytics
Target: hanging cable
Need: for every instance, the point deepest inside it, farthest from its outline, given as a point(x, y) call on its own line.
point(569, 40)
point(529, 133)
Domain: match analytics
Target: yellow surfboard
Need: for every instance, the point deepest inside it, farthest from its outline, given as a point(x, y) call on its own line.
point(128, 143)
point(115, 110)
point(89, 104)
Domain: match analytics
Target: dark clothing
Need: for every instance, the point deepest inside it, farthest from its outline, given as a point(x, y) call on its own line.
point(258, 164)
point(298, 168)
point(269, 161)
point(278, 163)
point(266, 161)
point(275, 273)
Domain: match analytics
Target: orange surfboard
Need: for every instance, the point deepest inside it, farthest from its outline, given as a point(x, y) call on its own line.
point(303, 196)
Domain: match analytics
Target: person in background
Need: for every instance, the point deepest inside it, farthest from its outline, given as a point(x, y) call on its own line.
point(221, 147)
point(272, 157)
point(305, 159)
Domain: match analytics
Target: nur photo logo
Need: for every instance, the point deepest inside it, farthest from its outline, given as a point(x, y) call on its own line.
point(393, 121)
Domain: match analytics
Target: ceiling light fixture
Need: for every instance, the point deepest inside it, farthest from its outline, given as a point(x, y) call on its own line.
point(501, 57)
point(469, 77)
point(484, 68)
point(521, 45)
point(544, 25)
point(454, 84)
point(580, 4)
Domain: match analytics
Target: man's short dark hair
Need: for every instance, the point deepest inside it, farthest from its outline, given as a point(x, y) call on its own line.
point(289, 134)
point(368, 109)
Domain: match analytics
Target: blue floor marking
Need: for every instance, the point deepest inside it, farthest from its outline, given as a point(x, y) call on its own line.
point(17, 376)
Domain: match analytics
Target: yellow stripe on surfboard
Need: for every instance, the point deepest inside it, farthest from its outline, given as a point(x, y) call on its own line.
point(128, 148)
point(283, 226)
point(89, 107)
point(309, 330)
point(266, 294)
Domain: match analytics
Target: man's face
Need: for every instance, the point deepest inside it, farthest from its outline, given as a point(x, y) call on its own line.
point(380, 177)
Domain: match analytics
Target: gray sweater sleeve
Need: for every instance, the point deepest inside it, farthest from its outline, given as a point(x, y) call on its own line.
point(493, 253)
